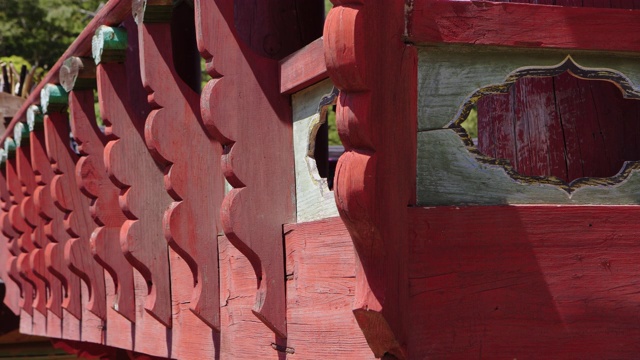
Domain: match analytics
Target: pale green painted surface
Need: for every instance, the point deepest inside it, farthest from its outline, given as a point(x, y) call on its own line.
point(35, 119)
point(21, 134)
point(314, 200)
point(449, 75)
point(53, 98)
point(109, 44)
point(448, 174)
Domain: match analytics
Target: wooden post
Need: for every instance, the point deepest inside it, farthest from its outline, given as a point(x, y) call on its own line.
point(376, 73)
point(175, 134)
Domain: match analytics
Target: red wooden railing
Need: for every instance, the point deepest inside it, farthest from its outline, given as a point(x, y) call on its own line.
point(177, 230)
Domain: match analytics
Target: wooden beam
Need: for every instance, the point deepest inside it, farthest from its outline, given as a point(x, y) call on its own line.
point(303, 68)
point(523, 25)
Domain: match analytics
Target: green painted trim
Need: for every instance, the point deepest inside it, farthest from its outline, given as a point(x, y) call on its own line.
point(54, 98)
point(35, 118)
point(21, 134)
point(3, 159)
point(9, 148)
point(109, 45)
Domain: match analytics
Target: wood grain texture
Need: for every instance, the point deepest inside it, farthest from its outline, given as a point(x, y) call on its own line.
point(376, 73)
point(27, 183)
point(523, 282)
point(523, 25)
point(452, 77)
point(93, 180)
point(303, 68)
point(69, 326)
point(175, 134)
point(67, 197)
point(12, 287)
point(256, 163)
point(78, 224)
point(124, 108)
point(314, 200)
point(22, 241)
point(321, 286)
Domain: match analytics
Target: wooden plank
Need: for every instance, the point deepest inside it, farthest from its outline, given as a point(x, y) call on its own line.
point(245, 83)
point(528, 281)
point(192, 221)
point(450, 77)
point(449, 174)
point(303, 68)
point(103, 195)
point(321, 285)
point(523, 25)
point(376, 72)
point(314, 201)
point(124, 108)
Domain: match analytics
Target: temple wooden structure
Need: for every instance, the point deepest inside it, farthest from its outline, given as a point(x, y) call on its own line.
point(198, 223)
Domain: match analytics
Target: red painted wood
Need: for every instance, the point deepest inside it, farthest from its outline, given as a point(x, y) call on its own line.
point(303, 68)
point(523, 25)
point(124, 108)
point(12, 287)
point(523, 282)
point(560, 126)
point(54, 228)
point(234, 39)
point(376, 73)
point(28, 185)
point(93, 180)
point(22, 242)
point(145, 200)
point(191, 222)
point(78, 223)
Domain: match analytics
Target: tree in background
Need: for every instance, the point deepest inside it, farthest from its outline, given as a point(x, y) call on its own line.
point(39, 31)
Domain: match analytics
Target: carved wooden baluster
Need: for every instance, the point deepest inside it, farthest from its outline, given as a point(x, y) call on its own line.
point(174, 133)
point(13, 287)
point(130, 166)
point(38, 223)
point(243, 109)
point(78, 77)
point(55, 232)
point(67, 197)
point(375, 178)
point(21, 243)
point(28, 185)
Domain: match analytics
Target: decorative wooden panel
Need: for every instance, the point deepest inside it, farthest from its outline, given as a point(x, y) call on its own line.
point(12, 287)
point(256, 163)
point(175, 134)
point(376, 74)
point(33, 215)
point(123, 107)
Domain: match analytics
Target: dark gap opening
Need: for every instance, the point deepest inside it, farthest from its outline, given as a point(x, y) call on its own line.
point(328, 146)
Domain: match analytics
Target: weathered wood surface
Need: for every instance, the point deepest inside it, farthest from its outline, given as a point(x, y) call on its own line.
point(124, 108)
point(175, 135)
point(560, 126)
point(450, 76)
point(94, 183)
point(241, 59)
point(525, 25)
point(376, 72)
point(314, 200)
point(303, 68)
point(523, 282)
point(13, 290)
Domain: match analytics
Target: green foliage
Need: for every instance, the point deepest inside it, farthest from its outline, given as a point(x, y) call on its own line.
point(327, 6)
point(471, 123)
point(334, 138)
point(41, 30)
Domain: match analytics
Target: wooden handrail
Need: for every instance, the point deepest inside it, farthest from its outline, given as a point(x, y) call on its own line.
point(113, 13)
